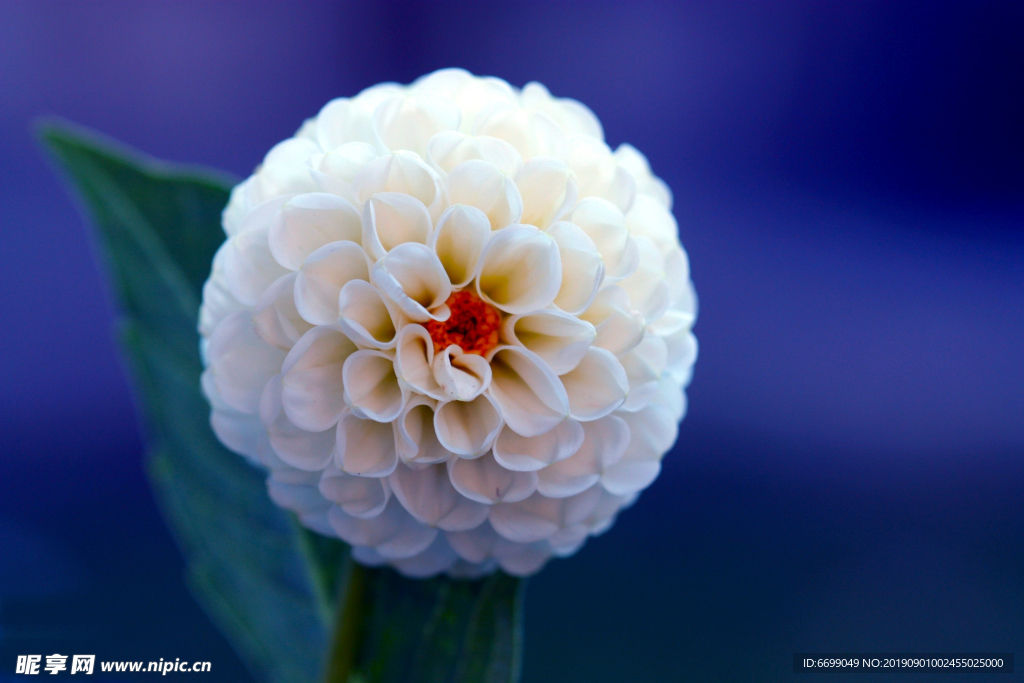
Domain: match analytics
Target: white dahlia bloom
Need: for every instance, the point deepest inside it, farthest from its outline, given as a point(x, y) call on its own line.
point(452, 324)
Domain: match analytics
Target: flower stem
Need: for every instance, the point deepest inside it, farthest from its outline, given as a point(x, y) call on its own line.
point(348, 626)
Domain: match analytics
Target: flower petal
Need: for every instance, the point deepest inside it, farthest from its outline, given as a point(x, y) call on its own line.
point(364, 497)
point(526, 454)
point(365, 448)
point(548, 191)
point(474, 545)
point(249, 266)
point(391, 219)
point(462, 376)
point(408, 123)
point(604, 443)
point(308, 222)
point(483, 185)
point(371, 386)
point(647, 287)
point(582, 267)
point(429, 496)
point(308, 451)
point(619, 327)
point(240, 362)
point(652, 432)
point(531, 397)
point(284, 170)
point(365, 316)
point(436, 558)
point(322, 276)
point(467, 428)
point(416, 438)
point(459, 239)
point(336, 170)
point(531, 133)
point(537, 518)
point(393, 534)
point(604, 223)
point(341, 121)
point(312, 379)
point(449, 149)
point(414, 360)
point(520, 270)
point(649, 218)
point(401, 173)
point(412, 276)
point(558, 338)
point(598, 173)
point(596, 386)
point(276, 318)
point(484, 480)
point(643, 366)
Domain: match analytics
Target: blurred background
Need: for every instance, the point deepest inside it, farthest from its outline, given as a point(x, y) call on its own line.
point(849, 183)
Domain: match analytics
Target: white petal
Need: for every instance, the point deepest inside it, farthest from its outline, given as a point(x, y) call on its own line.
point(363, 497)
point(429, 496)
point(436, 558)
point(619, 327)
point(409, 122)
point(365, 316)
point(412, 276)
point(372, 387)
point(633, 161)
point(604, 443)
point(473, 545)
point(343, 121)
point(582, 267)
point(484, 480)
point(531, 133)
point(596, 386)
point(520, 270)
point(526, 454)
point(336, 170)
point(531, 397)
point(643, 366)
point(218, 301)
point(449, 149)
point(365, 448)
point(483, 185)
point(276, 318)
point(467, 428)
point(469, 92)
point(308, 222)
point(647, 287)
point(241, 363)
point(538, 518)
point(284, 169)
point(249, 266)
point(548, 190)
point(300, 498)
point(393, 534)
point(604, 223)
point(652, 432)
point(649, 218)
point(681, 355)
point(241, 432)
point(322, 276)
point(416, 438)
point(308, 451)
point(558, 338)
point(312, 378)
point(414, 359)
point(597, 172)
point(401, 173)
point(573, 116)
point(521, 559)
point(390, 219)
point(462, 376)
point(459, 239)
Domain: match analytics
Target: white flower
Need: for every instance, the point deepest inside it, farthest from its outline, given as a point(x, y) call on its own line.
point(452, 324)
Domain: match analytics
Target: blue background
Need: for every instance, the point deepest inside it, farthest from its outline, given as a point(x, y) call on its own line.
point(849, 182)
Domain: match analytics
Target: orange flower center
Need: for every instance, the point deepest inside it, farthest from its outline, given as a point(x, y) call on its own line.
point(473, 325)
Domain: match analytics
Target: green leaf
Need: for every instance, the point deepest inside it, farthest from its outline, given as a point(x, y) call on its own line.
point(267, 583)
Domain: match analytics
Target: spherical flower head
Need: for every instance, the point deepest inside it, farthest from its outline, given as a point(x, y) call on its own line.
point(452, 325)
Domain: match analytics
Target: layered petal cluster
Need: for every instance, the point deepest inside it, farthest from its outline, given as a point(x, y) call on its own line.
point(452, 324)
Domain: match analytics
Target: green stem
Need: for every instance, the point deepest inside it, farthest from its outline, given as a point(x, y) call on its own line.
point(348, 627)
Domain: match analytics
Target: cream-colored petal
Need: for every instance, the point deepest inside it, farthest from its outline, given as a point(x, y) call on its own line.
point(647, 184)
point(467, 428)
point(309, 451)
point(449, 149)
point(276, 318)
point(604, 443)
point(548, 190)
point(520, 270)
point(322, 276)
point(596, 386)
point(401, 173)
point(649, 218)
point(416, 438)
point(619, 327)
point(335, 171)
point(681, 355)
point(483, 185)
point(558, 338)
point(363, 497)
point(574, 117)
point(411, 275)
point(391, 219)
point(532, 399)
point(485, 481)
point(308, 222)
point(604, 223)
point(470, 93)
point(414, 358)
point(647, 287)
point(241, 432)
point(474, 545)
point(240, 362)
point(342, 121)
point(365, 448)
point(537, 518)
point(582, 267)
point(652, 430)
point(531, 133)
point(462, 376)
point(249, 266)
point(521, 559)
point(312, 378)
point(372, 388)
point(409, 122)
point(459, 239)
point(393, 534)
point(527, 454)
point(365, 316)
point(435, 558)
point(284, 170)
point(429, 496)
point(644, 365)
point(598, 173)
